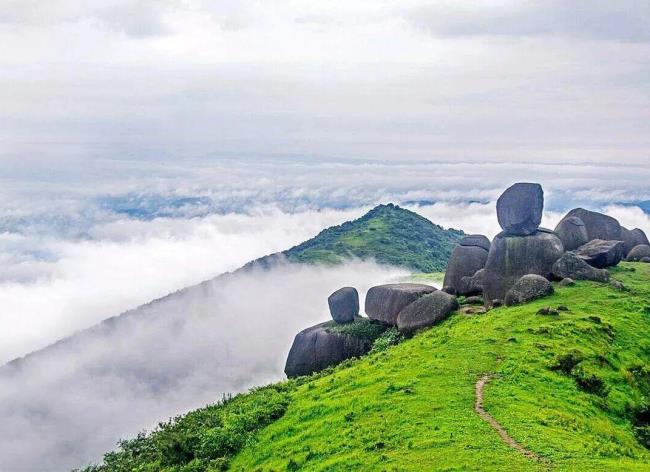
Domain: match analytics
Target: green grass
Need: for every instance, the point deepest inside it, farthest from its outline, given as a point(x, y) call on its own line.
point(567, 387)
point(388, 234)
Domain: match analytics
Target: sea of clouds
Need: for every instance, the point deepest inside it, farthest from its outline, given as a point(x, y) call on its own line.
point(83, 243)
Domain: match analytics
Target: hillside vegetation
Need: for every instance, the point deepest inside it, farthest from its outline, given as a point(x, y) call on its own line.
point(387, 233)
point(573, 388)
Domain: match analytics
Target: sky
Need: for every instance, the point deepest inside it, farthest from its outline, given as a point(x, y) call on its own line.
point(499, 80)
point(147, 146)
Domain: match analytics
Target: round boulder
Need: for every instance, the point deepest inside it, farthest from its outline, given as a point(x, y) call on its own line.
point(519, 208)
point(645, 259)
point(464, 262)
point(572, 232)
point(597, 225)
point(384, 302)
point(573, 267)
point(344, 304)
point(316, 348)
point(638, 252)
point(527, 288)
point(567, 282)
point(600, 253)
point(426, 311)
point(477, 240)
point(512, 257)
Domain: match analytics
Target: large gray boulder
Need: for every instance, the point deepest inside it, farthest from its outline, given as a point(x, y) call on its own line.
point(519, 208)
point(384, 302)
point(466, 258)
point(572, 232)
point(632, 238)
point(426, 311)
point(601, 253)
point(573, 267)
point(317, 348)
point(512, 257)
point(477, 240)
point(597, 225)
point(471, 285)
point(344, 304)
point(527, 288)
point(638, 252)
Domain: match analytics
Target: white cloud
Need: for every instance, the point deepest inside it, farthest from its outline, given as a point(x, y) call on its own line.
point(67, 405)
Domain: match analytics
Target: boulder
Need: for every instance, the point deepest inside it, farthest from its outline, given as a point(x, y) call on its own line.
point(471, 285)
point(512, 257)
point(572, 232)
point(567, 281)
point(638, 253)
point(519, 208)
point(317, 348)
point(344, 304)
point(601, 253)
point(477, 240)
point(597, 225)
point(573, 267)
point(464, 262)
point(426, 311)
point(640, 237)
point(384, 302)
point(645, 259)
point(527, 288)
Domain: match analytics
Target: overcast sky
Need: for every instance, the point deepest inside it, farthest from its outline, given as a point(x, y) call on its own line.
point(471, 80)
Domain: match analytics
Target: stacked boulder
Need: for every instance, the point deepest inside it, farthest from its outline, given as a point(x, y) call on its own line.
point(320, 346)
point(522, 247)
point(467, 258)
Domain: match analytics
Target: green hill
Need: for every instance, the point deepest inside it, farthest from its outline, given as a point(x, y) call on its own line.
point(574, 389)
point(387, 233)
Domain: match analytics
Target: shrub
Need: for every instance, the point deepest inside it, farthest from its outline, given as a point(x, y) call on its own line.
point(389, 338)
point(589, 381)
point(567, 361)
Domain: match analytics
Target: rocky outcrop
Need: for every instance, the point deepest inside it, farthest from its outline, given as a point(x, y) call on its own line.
point(527, 288)
point(597, 225)
point(573, 267)
point(384, 302)
point(638, 253)
point(344, 304)
point(573, 233)
point(512, 257)
point(519, 208)
point(427, 310)
point(601, 253)
point(317, 348)
point(467, 258)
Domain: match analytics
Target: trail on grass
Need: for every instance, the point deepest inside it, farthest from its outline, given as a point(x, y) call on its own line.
point(489, 419)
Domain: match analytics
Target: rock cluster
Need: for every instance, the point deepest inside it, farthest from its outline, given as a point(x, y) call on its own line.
point(384, 302)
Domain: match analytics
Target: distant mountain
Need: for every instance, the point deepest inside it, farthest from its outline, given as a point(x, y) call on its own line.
point(388, 234)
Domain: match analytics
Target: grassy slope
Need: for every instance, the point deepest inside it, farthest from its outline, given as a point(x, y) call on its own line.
point(387, 233)
point(411, 407)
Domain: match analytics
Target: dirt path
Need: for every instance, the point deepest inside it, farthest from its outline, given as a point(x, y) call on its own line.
point(478, 407)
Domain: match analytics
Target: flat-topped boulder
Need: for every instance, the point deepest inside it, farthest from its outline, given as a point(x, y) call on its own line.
point(384, 302)
point(344, 304)
point(467, 258)
point(512, 257)
point(427, 310)
point(319, 347)
point(602, 253)
point(638, 253)
point(573, 267)
point(597, 225)
point(478, 240)
point(528, 288)
point(519, 208)
point(573, 233)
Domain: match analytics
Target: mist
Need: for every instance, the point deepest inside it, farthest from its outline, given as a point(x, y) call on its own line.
point(77, 398)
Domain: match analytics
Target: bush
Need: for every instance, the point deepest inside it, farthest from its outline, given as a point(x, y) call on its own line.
point(588, 381)
point(389, 338)
point(567, 361)
point(361, 328)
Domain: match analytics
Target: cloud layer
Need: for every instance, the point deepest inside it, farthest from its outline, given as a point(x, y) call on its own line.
point(67, 405)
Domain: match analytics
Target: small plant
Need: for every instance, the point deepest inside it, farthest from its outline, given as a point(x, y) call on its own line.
point(389, 338)
point(567, 361)
point(589, 382)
